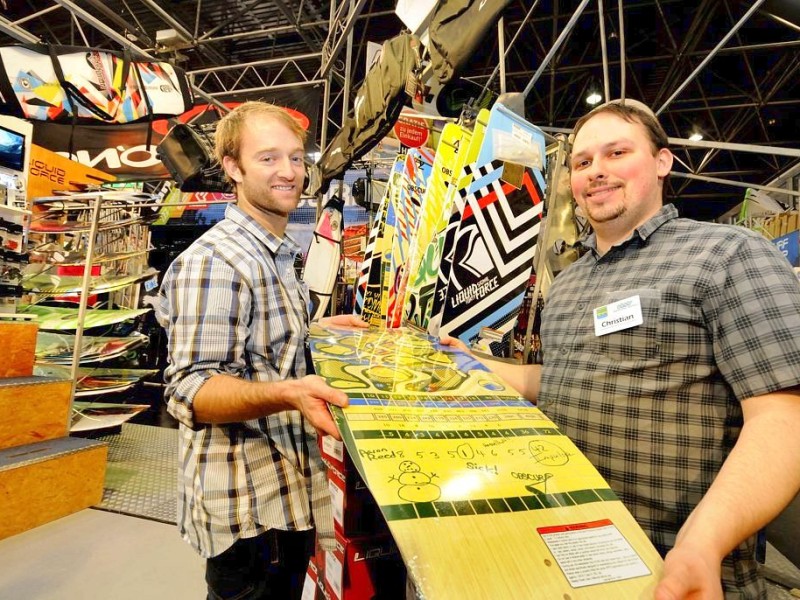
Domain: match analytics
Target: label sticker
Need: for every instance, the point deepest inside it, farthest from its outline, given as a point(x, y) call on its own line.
point(592, 553)
point(619, 315)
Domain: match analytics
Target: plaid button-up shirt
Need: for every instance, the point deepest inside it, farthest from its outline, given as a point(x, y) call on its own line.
point(232, 304)
point(656, 407)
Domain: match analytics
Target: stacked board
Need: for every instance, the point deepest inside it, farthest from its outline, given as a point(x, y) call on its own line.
point(483, 495)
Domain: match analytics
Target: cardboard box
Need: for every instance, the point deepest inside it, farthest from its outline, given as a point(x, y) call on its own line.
point(355, 512)
point(334, 454)
point(313, 584)
point(360, 568)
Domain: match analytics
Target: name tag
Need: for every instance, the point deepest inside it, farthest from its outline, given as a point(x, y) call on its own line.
point(619, 315)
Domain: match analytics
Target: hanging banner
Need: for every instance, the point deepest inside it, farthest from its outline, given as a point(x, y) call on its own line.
point(122, 150)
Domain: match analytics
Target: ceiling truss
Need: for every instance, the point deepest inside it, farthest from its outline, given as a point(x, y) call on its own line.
point(728, 68)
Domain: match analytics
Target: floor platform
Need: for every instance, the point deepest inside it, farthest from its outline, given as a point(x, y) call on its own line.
point(142, 472)
point(98, 555)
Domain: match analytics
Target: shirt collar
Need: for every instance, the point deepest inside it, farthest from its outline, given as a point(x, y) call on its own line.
point(270, 240)
point(667, 213)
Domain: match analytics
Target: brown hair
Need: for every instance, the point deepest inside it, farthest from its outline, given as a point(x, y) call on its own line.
point(228, 136)
point(631, 111)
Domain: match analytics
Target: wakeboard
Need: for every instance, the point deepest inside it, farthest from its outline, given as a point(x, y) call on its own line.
point(416, 173)
point(482, 493)
point(49, 283)
point(441, 258)
point(92, 381)
point(499, 215)
point(323, 257)
point(373, 309)
point(422, 263)
point(58, 348)
point(58, 318)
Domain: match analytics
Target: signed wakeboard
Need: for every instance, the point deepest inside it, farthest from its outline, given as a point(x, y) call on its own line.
point(483, 495)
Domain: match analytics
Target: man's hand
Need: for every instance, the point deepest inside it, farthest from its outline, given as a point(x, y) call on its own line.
point(454, 343)
point(344, 321)
point(311, 396)
point(689, 574)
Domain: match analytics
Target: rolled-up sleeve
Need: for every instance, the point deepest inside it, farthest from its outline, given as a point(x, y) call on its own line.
point(205, 308)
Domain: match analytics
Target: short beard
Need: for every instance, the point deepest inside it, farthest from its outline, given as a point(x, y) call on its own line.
point(606, 216)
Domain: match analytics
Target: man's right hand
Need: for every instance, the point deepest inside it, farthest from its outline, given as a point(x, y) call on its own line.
point(454, 343)
point(311, 396)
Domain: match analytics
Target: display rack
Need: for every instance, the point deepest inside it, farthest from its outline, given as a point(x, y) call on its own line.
point(77, 237)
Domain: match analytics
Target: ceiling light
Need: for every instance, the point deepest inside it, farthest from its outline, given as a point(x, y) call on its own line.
point(696, 136)
point(593, 98)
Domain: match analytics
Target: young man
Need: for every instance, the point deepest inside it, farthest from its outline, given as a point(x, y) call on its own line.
point(252, 484)
point(682, 387)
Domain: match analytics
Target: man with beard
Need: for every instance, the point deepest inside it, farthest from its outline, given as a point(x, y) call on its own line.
point(252, 484)
point(671, 357)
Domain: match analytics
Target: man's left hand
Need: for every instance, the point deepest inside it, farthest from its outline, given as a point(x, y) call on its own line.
point(689, 575)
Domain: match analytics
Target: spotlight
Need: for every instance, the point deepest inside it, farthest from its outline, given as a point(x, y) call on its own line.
point(696, 136)
point(593, 98)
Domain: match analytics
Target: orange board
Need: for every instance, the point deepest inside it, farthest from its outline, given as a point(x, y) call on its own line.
point(50, 172)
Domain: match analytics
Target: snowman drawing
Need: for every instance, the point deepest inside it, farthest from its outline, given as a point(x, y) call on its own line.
point(416, 486)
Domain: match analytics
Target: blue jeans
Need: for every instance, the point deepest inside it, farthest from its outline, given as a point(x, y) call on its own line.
point(269, 566)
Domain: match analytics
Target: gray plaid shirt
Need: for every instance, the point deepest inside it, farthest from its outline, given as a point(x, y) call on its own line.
point(231, 303)
point(657, 407)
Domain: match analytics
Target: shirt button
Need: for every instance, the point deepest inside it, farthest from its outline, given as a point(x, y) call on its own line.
point(581, 306)
point(598, 267)
point(564, 350)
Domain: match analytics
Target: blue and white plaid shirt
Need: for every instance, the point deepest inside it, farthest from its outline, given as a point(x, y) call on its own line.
point(232, 304)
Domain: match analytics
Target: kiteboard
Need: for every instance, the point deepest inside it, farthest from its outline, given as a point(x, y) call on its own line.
point(416, 173)
point(323, 257)
point(483, 495)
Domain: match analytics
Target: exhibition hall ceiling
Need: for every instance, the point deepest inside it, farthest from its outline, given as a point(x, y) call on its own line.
point(748, 92)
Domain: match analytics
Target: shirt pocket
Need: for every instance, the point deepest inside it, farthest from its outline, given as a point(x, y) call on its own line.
point(634, 343)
